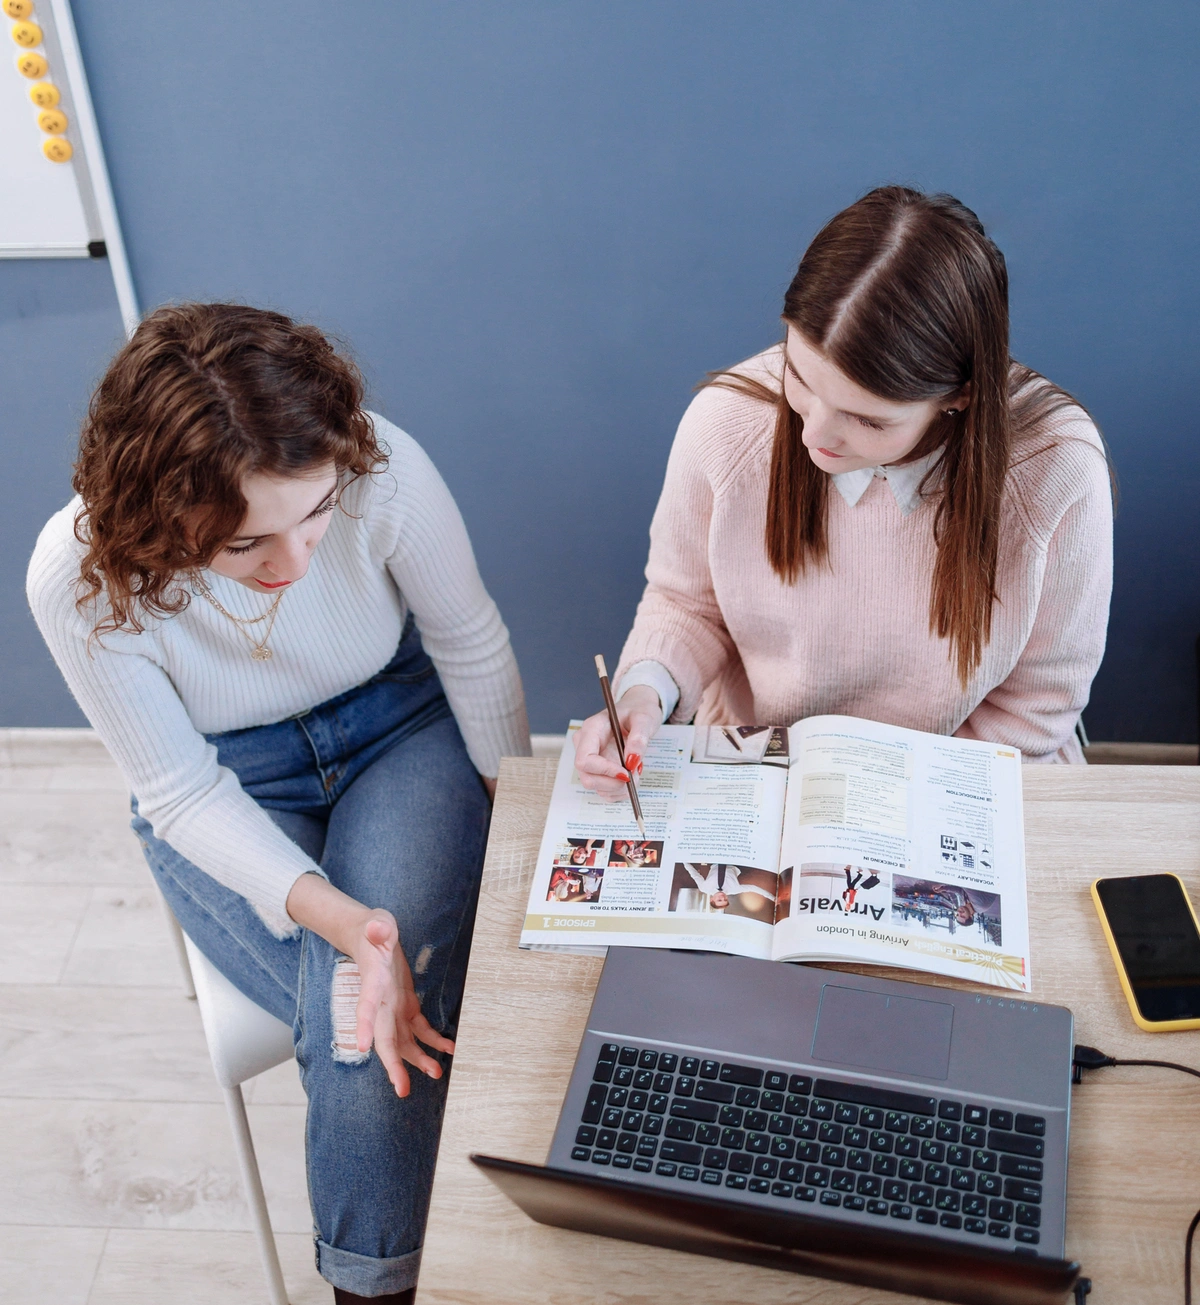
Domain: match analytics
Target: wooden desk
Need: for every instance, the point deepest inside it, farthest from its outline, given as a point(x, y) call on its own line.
point(1135, 1134)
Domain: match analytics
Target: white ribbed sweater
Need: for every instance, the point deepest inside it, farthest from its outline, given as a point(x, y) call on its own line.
point(852, 637)
point(398, 546)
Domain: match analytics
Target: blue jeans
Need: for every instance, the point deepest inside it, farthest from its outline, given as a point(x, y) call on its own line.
point(376, 786)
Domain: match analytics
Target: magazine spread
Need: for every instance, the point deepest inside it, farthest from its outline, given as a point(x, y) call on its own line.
point(833, 839)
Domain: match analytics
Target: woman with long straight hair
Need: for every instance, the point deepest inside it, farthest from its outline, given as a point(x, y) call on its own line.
point(264, 599)
point(883, 516)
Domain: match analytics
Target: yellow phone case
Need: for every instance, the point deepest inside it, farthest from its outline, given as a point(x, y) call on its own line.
point(1164, 1026)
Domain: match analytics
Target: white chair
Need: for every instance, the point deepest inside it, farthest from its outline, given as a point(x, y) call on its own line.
point(243, 1040)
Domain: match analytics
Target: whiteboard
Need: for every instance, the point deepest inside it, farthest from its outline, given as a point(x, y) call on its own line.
point(48, 209)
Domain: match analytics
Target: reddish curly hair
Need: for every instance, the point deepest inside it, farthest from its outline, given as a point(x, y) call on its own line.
point(202, 396)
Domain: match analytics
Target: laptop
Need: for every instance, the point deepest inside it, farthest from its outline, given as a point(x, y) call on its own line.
point(893, 1135)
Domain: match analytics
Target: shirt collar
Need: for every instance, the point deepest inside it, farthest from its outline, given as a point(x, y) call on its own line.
point(904, 481)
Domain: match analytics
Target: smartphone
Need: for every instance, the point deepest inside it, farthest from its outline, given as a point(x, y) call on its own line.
point(1155, 941)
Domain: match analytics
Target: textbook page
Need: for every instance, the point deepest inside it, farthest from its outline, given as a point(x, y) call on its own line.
point(904, 848)
point(706, 875)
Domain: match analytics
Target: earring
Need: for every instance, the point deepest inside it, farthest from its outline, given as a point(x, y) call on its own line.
point(952, 412)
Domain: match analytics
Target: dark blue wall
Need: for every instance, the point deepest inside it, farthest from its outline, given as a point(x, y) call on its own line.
point(539, 223)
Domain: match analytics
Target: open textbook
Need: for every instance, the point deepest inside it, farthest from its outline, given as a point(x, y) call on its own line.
point(833, 839)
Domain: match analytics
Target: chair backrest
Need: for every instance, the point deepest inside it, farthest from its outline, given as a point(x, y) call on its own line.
point(243, 1039)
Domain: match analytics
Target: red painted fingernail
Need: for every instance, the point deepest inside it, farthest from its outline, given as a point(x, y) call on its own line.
point(624, 778)
point(634, 762)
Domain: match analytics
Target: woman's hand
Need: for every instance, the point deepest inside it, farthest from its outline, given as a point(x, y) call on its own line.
point(388, 1012)
point(640, 714)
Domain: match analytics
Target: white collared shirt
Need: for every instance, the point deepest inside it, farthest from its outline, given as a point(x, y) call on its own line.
point(905, 483)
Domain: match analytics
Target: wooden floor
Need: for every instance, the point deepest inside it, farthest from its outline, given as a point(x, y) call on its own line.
point(120, 1183)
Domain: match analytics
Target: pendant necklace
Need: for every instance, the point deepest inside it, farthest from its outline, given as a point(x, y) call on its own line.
point(259, 651)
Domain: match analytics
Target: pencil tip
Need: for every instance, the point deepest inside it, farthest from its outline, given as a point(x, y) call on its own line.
point(600, 667)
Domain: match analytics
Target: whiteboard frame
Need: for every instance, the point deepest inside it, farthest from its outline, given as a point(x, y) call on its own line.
point(91, 171)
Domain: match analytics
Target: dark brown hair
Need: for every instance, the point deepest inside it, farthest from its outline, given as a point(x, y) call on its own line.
point(202, 396)
point(906, 294)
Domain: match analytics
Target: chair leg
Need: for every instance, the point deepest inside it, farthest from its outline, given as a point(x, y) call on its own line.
point(189, 987)
point(252, 1182)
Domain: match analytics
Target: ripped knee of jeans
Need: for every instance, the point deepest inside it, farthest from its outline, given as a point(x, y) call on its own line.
point(424, 956)
point(343, 1009)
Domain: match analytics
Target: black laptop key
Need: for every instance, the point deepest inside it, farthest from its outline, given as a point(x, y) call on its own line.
point(747, 1096)
point(735, 1180)
point(834, 1156)
point(808, 1151)
point(947, 1200)
point(581, 1153)
point(869, 1185)
point(667, 1062)
point(938, 1175)
point(862, 1094)
point(710, 1068)
point(594, 1106)
point(604, 1071)
point(951, 1220)
point(922, 1127)
point(859, 1161)
point(911, 1170)
point(820, 1110)
point(743, 1075)
point(708, 1134)
point(771, 1101)
point(946, 1131)
point(933, 1151)
point(689, 1065)
point(756, 1119)
point(733, 1138)
point(601, 1157)
point(975, 1205)
point(782, 1190)
point(759, 1143)
point(623, 1075)
point(704, 1111)
point(775, 1081)
point(1002, 1119)
point(901, 1211)
point(585, 1136)
point(997, 1229)
point(683, 1130)
point(765, 1167)
point(606, 1139)
point(806, 1128)
point(984, 1161)
point(974, 1135)
point(637, 1100)
point(1014, 1188)
point(885, 1165)
point(975, 1115)
point(975, 1226)
point(815, 1176)
point(871, 1117)
point(1016, 1167)
point(926, 1216)
point(706, 1091)
point(741, 1163)
point(628, 1056)
point(715, 1158)
point(648, 1060)
point(1034, 1125)
point(685, 1085)
point(988, 1184)
point(652, 1124)
point(632, 1123)
point(1001, 1211)
point(951, 1110)
point(730, 1117)
point(710, 1176)
point(958, 1155)
point(792, 1173)
point(877, 1207)
point(643, 1079)
point(618, 1096)
point(962, 1180)
point(1027, 1235)
point(760, 1185)
point(781, 1125)
point(646, 1146)
point(829, 1132)
point(1015, 1143)
point(627, 1143)
point(919, 1194)
point(896, 1121)
point(664, 1082)
point(612, 1117)
point(908, 1146)
point(796, 1105)
point(842, 1181)
point(801, 1084)
point(683, 1152)
point(895, 1190)
point(1029, 1216)
point(881, 1142)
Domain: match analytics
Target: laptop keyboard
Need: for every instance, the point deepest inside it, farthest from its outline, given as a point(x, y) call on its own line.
point(937, 1161)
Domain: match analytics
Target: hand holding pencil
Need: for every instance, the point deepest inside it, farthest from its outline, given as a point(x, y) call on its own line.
point(601, 766)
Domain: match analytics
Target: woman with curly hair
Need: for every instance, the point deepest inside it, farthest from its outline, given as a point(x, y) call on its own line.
point(264, 599)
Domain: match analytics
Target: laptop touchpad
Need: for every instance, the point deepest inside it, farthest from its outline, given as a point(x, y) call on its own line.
point(876, 1030)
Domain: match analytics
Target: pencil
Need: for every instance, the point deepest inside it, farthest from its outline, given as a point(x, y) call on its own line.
point(732, 738)
point(615, 723)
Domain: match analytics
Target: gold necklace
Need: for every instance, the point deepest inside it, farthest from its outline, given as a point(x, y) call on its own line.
point(259, 651)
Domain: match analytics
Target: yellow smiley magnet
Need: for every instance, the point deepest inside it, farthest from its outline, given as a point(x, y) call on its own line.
point(44, 94)
point(32, 66)
point(57, 149)
point(27, 34)
point(52, 121)
point(18, 8)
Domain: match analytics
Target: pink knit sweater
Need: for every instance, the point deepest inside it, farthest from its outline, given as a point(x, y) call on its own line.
point(853, 637)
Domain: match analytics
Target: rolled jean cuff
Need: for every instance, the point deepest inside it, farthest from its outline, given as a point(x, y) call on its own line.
point(364, 1275)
